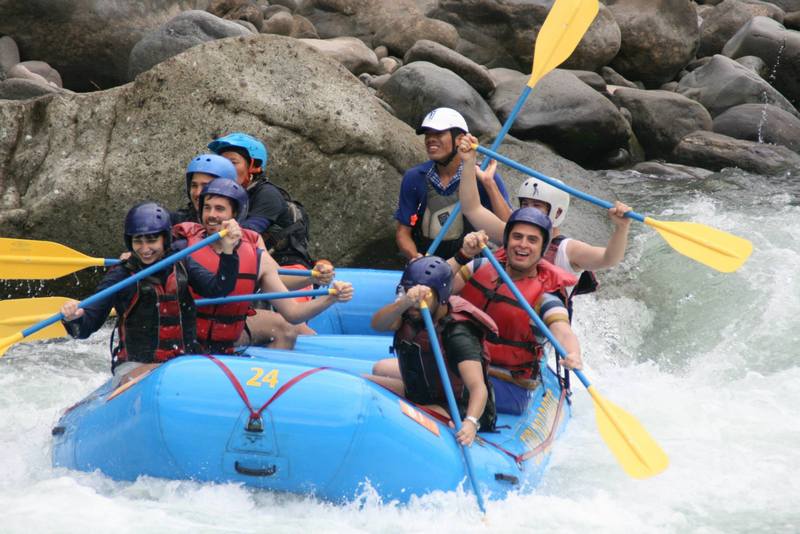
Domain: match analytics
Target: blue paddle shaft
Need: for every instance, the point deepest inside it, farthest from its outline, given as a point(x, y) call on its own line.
point(111, 262)
point(169, 260)
point(527, 307)
point(451, 400)
point(496, 143)
point(564, 187)
point(263, 296)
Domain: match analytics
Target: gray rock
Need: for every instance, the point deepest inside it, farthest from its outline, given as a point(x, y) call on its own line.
point(246, 24)
point(580, 123)
point(102, 152)
point(9, 53)
point(599, 46)
point(19, 71)
point(725, 19)
point(787, 5)
point(660, 119)
point(88, 42)
point(659, 37)
point(245, 10)
point(697, 63)
point(23, 89)
point(400, 35)
point(756, 64)
point(592, 79)
point(188, 29)
point(302, 28)
point(612, 77)
point(503, 75)
point(44, 70)
point(724, 83)
point(777, 46)
point(673, 171)
point(670, 86)
point(716, 151)
point(792, 20)
point(415, 89)
point(381, 51)
point(475, 75)
point(390, 64)
point(349, 51)
point(280, 23)
point(292, 5)
point(270, 11)
point(760, 122)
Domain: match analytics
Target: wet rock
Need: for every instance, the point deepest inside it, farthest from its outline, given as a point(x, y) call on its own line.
point(88, 42)
point(415, 89)
point(577, 121)
point(659, 37)
point(238, 10)
point(725, 19)
point(352, 53)
point(280, 23)
point(23, 89)
point(724, 83)
point(760, 122)
point(390, 64)
point(671, 170)
point(660, 119)
point(612, 77)
point(102, 152)
point(716, 151)
point(475, 75)
point(777, 46)
point(592, 79)
point(302, 28)
point(188, 29)
point(756, 64)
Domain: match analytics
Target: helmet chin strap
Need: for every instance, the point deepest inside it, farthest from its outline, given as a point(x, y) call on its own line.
point(446, 161)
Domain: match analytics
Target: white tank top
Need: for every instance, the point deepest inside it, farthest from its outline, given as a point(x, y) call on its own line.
point(562, 260)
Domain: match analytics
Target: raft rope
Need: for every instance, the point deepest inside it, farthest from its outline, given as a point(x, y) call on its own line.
point(255, 423)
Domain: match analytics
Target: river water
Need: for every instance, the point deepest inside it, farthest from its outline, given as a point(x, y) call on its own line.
point(707, 362)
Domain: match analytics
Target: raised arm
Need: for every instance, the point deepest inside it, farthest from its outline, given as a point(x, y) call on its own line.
point(470, 199)
point(488, 180)
point(587, 257)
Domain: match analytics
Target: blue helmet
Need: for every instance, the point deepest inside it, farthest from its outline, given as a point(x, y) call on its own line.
point(147, 218)
point(228, 189)
point(431, 271)
point(254, 148)
point(210, 164)
point(529, 216)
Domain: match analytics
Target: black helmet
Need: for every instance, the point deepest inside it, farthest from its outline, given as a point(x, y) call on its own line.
point(222, 187)
point(529, 216)
point(147, 218)
point(431, 271)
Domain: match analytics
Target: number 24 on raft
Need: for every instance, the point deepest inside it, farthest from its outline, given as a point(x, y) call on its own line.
point(259, 378)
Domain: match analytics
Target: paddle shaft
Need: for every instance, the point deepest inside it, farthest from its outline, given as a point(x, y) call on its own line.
point(266, 296)
point(110, 262)
point(451, 400)
point(159, 265)
point(454, 213)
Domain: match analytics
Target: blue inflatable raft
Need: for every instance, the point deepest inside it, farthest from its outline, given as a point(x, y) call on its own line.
point(302, 421)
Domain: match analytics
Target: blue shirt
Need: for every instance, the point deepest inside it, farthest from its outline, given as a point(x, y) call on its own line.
point(414, 191)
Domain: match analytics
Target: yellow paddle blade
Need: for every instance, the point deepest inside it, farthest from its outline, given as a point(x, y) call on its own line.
point(19, 314)
point(25, 259)
point(719, 250)
point(560, 34)
point(636, 451)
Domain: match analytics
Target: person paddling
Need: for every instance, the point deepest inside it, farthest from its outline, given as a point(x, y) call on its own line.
point(572, 255)
point(222, 327)
point(461, 329)
point(518, 348)
point(157, 316)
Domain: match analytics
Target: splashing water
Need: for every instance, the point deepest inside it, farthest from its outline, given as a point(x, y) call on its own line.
point(707, 362)
point(771, 79)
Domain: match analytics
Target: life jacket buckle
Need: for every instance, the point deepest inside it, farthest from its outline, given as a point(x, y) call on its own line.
point(255, 424)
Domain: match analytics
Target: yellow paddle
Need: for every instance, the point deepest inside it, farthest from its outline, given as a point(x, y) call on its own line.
point(717, 249)
point(636, 451)
point(25, 259)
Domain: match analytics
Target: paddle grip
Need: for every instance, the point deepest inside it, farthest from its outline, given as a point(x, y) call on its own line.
point(527, 307)
point(451, 400)
point(564, 187)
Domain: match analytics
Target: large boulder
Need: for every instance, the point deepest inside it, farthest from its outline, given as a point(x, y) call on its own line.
point(778, 47)
point(186, 30)
point(659, 37)
point(415, 89)
point(246, 10)
point(98, 153)
point(501, 33)
point(724, 83)
point(725, 19)
point(760, 122)
point(660, 119)
point(472, 73)
point(23, 89)
point(88, 42)
point(396, 24)
point(580, 123)
point(349, 51)
point(716, 151)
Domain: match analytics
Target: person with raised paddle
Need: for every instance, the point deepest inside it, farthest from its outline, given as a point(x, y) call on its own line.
point(201, 170)
point(572, 255)
point(461, 329)
point(518, 348)
point(428, 191)
point(222, 327)
point(156, 317)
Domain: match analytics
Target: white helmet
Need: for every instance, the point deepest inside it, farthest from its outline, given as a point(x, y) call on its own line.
point(443, 119)
point(539, 190)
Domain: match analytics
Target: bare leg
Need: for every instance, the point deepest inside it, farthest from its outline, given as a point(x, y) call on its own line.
point(269, 328)
point(387, 367)
point(393, 384)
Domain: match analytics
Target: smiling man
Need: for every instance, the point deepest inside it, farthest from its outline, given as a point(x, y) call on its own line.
point(429, 191)
point(518, 347)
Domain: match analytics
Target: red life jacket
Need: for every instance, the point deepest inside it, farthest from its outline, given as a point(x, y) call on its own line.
point(515, 347)
point(587, 281)
point(219, 327)
point(159, 322)
point(418, 363)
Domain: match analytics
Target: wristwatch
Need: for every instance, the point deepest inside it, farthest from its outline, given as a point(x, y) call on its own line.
point(474, 421)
